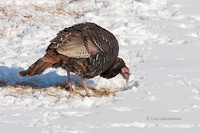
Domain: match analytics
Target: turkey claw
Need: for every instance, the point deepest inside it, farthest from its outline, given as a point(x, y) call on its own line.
point(68, 87)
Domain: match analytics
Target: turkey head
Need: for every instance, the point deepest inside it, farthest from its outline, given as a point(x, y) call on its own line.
point(118, 67)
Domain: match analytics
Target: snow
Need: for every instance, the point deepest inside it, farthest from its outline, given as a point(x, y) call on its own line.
point(159, 41)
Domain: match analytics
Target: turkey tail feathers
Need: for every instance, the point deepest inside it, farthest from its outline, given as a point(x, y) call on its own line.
point(37, 68)
point(22, 73)
point(51, 58)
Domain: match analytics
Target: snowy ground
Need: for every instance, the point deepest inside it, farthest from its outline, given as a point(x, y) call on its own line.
point(159, 41)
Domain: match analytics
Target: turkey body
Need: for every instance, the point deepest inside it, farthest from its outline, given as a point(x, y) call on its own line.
point(99, 49)
point(85, 49)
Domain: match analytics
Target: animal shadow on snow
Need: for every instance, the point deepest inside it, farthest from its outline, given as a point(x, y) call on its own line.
point(9, 77)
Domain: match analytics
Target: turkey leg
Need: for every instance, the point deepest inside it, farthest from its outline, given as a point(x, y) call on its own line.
point(69, 86)
point(85, 86)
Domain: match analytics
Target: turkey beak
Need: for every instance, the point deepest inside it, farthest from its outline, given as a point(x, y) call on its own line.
point(127, 77)
point(127, 80)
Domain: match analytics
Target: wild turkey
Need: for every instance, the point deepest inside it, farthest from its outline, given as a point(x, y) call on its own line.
point(85, 49)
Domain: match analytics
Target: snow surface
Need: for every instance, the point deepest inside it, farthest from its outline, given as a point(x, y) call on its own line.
point(159, 41)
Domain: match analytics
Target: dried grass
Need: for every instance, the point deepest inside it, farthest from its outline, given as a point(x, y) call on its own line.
point(28, 16)
point(7, 12)
point(103, 92)
point(60, 11)
point(22, 89)
point(4, 11)
point(3, 83)
point(20, 92)
point(54, 10)
point(2, 33)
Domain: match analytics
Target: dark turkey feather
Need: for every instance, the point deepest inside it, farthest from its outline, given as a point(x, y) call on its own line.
point(85, 49)
point(92, 49)
point(114, 69)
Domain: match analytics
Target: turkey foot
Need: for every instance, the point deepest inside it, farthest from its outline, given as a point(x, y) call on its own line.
point(69, 87)
point(85, 86)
